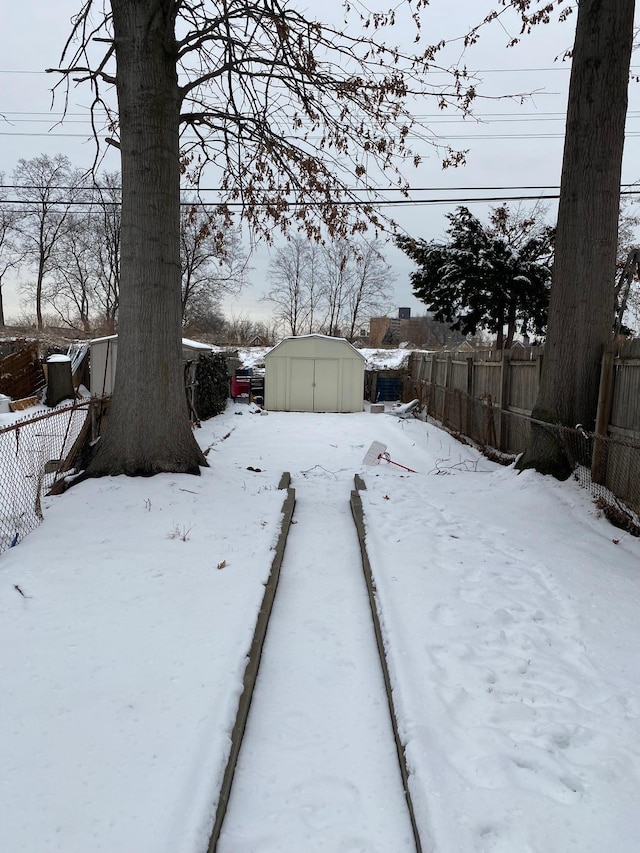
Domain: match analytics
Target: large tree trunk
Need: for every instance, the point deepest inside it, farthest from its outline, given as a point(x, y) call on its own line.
point(581, 304)
point(148, 431)
point(40, 277)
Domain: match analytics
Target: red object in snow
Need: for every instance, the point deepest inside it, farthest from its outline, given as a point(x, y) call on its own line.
point(240, 386)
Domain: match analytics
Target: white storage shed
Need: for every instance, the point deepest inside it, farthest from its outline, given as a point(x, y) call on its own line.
point(104, 357)
point(314, 373)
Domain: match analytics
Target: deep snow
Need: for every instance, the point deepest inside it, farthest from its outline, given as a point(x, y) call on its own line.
point(510, 611)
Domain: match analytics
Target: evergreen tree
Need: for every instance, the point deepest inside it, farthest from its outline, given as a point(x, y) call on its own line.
point(486, 276)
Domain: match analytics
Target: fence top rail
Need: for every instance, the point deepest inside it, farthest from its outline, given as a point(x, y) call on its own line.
point(519, 354)
point(629, 349)
point(32, 419)
point(627, 360)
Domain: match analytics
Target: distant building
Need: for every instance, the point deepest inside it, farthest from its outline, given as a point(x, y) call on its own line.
point(417, 331)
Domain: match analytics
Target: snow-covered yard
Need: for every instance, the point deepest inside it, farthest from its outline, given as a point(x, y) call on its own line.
point(510, 614)
point(375, 359)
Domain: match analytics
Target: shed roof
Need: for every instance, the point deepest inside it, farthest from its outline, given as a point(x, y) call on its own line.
point(319, 340)
point(186, 342)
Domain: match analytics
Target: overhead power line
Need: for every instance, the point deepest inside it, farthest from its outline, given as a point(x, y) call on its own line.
point(64, 187)
point(634, 187)
point(77, 206)
point(473, 135)
point(560, 67)
point(408, 202)
point(293, 203)
point(513, 115)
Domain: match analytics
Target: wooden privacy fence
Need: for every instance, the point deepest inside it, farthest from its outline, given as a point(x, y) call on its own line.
point(470, 391)
point(21, 372)
point(488, 397)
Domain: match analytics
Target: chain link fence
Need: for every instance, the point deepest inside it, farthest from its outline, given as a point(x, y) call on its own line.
point(607, 465)
point(32, 455)
point(37, 451)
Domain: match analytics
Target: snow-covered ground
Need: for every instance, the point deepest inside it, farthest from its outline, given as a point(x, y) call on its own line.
point(510, 613)
point(375, 359)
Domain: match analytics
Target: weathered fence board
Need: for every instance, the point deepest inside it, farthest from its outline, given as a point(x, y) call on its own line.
point(21, 372)
point(625, 412)
point(488, 396)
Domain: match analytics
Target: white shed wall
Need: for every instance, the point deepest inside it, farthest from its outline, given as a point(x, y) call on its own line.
point(314, 373)
point(104, 358)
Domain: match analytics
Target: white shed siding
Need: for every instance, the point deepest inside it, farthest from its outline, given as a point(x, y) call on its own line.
point(104, 358)
point(314, 373)
point(352, 385)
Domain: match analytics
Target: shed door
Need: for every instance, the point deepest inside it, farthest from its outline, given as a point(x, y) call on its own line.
point(314, 385)
point(325, 397)
point(301, 385)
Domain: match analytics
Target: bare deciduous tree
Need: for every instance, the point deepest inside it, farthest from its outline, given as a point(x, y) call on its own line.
point(81, 283)
point(370, 285)
point(336, 283)
point(290, 113)
point(294, 284)
point(9, 257)
point(106, 225)
point(332, 288)
point(68, 290)
point(213, 262)
point(239, 330)
point(48, 188)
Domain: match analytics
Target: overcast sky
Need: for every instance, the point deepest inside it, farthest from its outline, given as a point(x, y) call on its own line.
point(511, 145)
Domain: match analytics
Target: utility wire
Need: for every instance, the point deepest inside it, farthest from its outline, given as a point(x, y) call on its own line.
point(72, 205)
point(470, 72)
point(435, 139)
point(490, 117)
point(319, 204)
point(634, 187)
point(97, 189)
